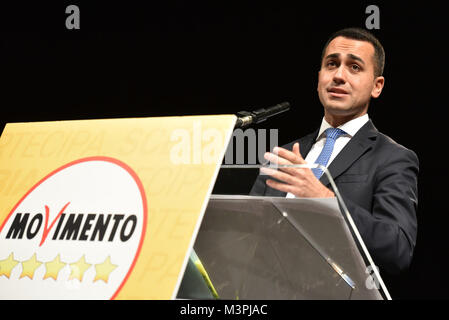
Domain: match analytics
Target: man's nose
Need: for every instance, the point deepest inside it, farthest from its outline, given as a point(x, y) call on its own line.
point(339, 75)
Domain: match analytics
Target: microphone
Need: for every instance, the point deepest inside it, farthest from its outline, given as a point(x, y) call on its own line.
point(246, 118)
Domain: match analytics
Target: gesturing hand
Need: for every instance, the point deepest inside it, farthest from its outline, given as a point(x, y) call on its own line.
point(299, 181)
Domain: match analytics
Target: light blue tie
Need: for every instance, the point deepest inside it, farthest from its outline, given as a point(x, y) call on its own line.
point(331, 136)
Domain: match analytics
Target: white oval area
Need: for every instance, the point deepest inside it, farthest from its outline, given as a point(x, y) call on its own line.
point(90, 249)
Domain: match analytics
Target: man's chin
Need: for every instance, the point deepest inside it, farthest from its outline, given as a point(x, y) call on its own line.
point(338, 109)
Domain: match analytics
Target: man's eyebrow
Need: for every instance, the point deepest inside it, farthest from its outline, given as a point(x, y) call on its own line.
point(354, 57)
point(350, 55)
point(332, 55)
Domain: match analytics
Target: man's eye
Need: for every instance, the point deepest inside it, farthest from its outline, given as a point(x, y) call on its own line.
point(331, 64)
point(355, 67)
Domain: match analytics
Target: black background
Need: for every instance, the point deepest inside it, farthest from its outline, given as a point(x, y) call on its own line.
point(175, 58)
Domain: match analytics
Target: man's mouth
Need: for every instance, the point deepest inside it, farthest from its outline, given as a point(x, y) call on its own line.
point(337, 92)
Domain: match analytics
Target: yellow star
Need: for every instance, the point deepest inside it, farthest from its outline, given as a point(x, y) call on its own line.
point(104, 269)
point(78, 269)
point(7, 265)
point(53, 268)
point(29, 267)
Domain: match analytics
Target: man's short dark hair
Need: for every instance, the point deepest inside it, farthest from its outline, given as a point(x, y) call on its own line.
point(362, 35)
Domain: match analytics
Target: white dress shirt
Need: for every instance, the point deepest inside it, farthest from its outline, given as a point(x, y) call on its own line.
point(350, 127)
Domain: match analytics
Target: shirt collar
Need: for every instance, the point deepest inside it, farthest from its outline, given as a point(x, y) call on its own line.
point(351, 127)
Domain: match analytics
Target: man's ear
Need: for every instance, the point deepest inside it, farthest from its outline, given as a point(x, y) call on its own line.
point(318, 80)
point(378, 86)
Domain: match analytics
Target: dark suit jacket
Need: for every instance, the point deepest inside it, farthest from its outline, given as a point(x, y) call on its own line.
point(377, 179)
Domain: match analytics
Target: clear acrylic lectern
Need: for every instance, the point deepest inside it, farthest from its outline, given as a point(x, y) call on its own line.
point(283, 248)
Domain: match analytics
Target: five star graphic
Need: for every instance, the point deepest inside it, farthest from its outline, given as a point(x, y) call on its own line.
point(7, 265)
point(104, 269)
point(29, 267)
point(78, 269)
point(53, 268)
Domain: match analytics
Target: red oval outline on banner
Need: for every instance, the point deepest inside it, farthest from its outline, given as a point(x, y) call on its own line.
point(139, 185)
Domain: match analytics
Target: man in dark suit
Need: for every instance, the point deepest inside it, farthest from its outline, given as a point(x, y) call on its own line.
point(376, 176)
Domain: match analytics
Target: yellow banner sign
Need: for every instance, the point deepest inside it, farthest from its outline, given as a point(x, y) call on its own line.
point(101, 209)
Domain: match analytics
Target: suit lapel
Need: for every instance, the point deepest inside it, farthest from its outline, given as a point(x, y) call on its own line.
point(356, 147)
point(306, 143)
